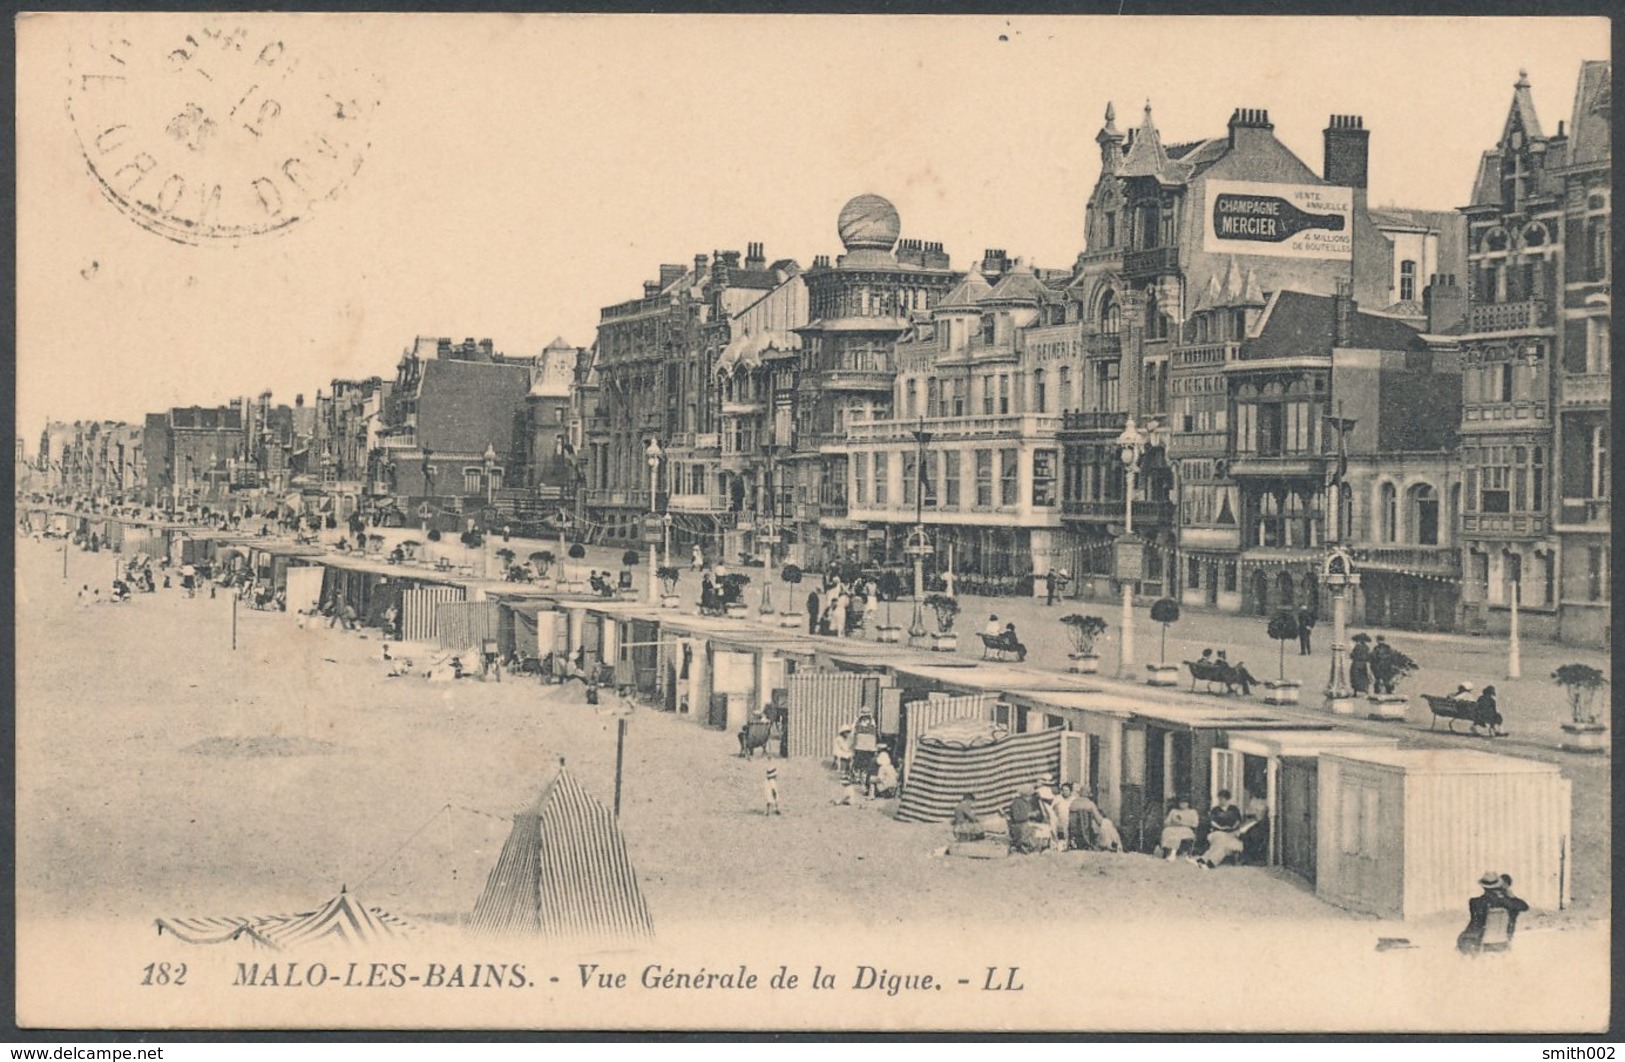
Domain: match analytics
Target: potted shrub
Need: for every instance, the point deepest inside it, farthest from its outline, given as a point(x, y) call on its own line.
point(1084, 632)
point(542, 561)
point(629, 559)
point(1283, 628)
point(434, 534)
point(1581, 682)
point(668, 574)
point(943, 639)
point(576, 552)
point(889, 585)
point(506, 556)
point(1165, 612)
point(733, 593)
point(1385, 659)
point(790, 619)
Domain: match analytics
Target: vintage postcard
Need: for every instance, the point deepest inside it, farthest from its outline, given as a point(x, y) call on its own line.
point(813, 523)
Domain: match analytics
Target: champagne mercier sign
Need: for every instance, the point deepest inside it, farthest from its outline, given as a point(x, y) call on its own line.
point(1284, 220)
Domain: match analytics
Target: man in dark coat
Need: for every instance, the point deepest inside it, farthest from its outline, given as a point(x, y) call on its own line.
point(1497, 895)
point(1306, 623)
point(812, 612)
point(1382, 666)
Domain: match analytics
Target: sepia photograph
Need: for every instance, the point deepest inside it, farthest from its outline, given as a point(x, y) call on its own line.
point(813, 523)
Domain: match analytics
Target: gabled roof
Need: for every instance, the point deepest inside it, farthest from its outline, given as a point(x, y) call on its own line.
point(1590, 133)
point(1299, 324)
point(1146, 157)
point(968, 292)
point(1018, 285)
point(1522, 112)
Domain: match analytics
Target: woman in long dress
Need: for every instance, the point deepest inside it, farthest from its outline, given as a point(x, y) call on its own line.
point(1179, 827)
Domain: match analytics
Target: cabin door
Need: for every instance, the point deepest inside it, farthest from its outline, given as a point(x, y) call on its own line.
point(1300, 791)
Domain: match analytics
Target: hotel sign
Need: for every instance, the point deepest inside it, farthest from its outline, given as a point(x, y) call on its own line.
point(1281, 220)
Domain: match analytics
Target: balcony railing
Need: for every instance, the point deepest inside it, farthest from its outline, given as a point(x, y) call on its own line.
point(707, 440)
point(1151, 262)
point(1592, 389)
point(1103, 343)
point(1506, 316)
point(1436, 560)
point(997, 426)
point(1094, 421)
point(1209, 354)
point(696, 503)
point(618, 498)
point(1584, 511)
point(1521, 524)
point(1146, 513)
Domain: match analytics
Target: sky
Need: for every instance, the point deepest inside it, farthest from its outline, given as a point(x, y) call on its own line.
point(522, 171)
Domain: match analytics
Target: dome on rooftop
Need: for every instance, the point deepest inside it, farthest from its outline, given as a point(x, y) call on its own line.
point(869, 222)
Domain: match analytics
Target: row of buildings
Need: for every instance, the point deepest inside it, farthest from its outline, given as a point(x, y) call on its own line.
point(1427, 389)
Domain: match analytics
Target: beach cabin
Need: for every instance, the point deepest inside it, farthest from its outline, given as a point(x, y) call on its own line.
point(1283, 766)
point(1405, 833)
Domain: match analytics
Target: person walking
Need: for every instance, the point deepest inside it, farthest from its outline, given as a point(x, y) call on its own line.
point(1306, 624)
point(1049, 588)
point(1360, 664)
point(770, 788)
point(813, 611)
point(1382, 666)
point(696, 559)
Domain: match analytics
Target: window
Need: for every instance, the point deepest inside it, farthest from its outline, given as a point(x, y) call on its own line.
point(1193, 573)
point(1040, 392)
point(1388, 512)
point(987, 329)
point(1009, 476)
point(1503, 374)
point(1066, 389)
point(1246, 428)
point(1111, 228)
point(882, 478)
point(1424, 515)
point(1599, 461)
point(860, 480)
point(1597, 248)
point(957, 388)
point(987, 395)
point(1229, 577)
point(984, 478)
point(1111, 315)
point(471, 481)
point(1106, 393)
point(1299, 428)
point(1043, 477)
point(928, 480)
point(1596, 573)
point(1407, 280)
point(911, 477)
point(911, 399)
point(933, 398)
point(1004, 393)
point(1597, 329)
point(950, 478)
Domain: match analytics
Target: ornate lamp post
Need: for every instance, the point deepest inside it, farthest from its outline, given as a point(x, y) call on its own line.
point(769, 538)
point(654, 454)
point(1337, 574)
point(919, 547)
point(1131, 447)
point(490, 469)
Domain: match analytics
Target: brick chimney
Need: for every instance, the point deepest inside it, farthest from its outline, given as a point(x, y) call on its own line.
point(670, 274)
point(1343, 313)
point(700, 262)
point(1248, 127)
point(754, 258)
point(1347, 151)
point(1444, 303)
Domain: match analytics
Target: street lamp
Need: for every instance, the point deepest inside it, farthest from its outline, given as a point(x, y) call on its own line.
point(918, 547)
point(1131, 447)
point(769, 537)
point(490, 469)
point(654, 454)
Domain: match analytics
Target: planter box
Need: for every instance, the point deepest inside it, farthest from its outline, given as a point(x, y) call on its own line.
point(889, 634)
point(671, 602)
point(791, 622)
point(1388, 707)
point(1276, 692)
point(1161, 675)
point(945, 643)
point(737, 612)
point(1083, 663)
point(1584, 737)
point(1341, 705)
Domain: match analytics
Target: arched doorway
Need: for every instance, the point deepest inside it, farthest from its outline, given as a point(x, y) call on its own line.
point(1283, 589)
point(1422, 505)
point(1261, 592)
point(1311, 592)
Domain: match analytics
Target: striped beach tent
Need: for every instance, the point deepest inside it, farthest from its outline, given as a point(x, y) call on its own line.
point(341, 920)
point(974, 756)
point(564, 874)
point(418, 607)
point(820, 703)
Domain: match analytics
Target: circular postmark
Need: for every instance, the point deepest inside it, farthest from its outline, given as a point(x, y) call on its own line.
point(215, 131)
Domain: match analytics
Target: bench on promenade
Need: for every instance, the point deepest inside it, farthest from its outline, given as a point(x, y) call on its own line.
point(998, 647)
point(1211, 673)
point(1452, 709)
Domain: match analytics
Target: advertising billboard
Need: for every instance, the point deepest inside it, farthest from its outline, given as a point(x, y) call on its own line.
point(1283, 220)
